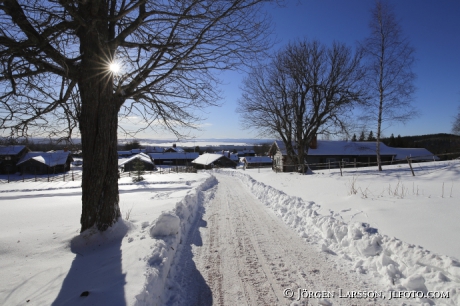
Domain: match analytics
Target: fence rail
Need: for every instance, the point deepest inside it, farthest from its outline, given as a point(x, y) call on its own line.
point(342, 164)
point(77, 175)
point(59, 177)
point(161, 170)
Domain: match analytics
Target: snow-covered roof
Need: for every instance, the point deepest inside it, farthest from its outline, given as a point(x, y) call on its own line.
point(179, 150)
point(154, 149)
point(257, 159)
point(233, 156)
point(281, 147)
point(11, 150)
point(142, 156)
point(137, 151)
point(50, 159)
point(174, 155)
point(175, 149)
point(245, 151)
point(358, 148)
point(207, 158)
point(415, 154)
point(130, 152)
point(56, 151)
point(334, 147)
point(124, 152)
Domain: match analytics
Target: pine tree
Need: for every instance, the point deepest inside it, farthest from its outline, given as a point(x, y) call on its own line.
point(138, 166)
point(371, 136)
point(362, 137)
point(392, 141)
point(399, 141)
point(354, 138)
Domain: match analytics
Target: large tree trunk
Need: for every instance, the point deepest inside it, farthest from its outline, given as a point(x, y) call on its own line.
point(98, 125)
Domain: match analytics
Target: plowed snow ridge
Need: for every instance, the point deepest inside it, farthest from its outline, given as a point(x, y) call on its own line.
point(242, 254)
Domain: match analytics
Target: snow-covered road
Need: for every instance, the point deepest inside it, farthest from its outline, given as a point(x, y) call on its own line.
point(242, 254)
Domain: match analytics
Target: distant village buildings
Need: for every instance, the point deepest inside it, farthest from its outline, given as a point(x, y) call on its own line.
point(321, 154)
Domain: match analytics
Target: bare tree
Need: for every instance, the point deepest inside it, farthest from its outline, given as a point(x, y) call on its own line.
point(390, 58)
point(456, 124)
point(306, 89)
point(76, 66)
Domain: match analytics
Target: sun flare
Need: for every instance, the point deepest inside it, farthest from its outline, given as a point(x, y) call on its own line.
point(114, 67)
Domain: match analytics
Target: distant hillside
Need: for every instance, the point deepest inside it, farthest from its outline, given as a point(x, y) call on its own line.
point(435, 143)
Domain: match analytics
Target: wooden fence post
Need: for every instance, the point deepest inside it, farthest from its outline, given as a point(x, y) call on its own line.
point(340, 166)
point(410, 165)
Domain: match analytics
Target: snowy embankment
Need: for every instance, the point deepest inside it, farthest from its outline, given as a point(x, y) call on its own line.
point(168, 231)
point(395, 264)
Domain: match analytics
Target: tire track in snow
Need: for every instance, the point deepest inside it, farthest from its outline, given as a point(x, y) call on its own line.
point(249, 255)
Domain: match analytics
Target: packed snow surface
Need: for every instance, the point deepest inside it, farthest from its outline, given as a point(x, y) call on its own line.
point(383, 232)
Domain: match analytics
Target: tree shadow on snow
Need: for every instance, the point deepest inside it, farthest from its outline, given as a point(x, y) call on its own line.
point(95, 277)
point(189, 286)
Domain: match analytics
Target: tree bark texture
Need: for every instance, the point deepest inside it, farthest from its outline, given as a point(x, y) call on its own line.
point(98, 127)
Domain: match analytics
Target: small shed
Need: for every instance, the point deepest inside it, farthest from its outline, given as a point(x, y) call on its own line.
point(45, 162)
point(130, 163)
point(10, 156)
point(173, 158)
point(257, 161)
point(212, 160)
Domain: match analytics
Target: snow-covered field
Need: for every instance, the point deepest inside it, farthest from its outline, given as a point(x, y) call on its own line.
point(44, 260)
point(390, 228)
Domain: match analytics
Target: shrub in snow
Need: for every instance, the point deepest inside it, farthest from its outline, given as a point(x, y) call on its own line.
point(138, 179)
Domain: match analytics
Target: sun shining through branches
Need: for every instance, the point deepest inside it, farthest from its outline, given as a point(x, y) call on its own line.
point(114, 67)
point(169, 72)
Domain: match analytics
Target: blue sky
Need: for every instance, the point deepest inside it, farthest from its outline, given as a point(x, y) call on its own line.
point(432, 26)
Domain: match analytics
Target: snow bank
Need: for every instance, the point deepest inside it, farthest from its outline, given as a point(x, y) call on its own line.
point(397, 265)
point(93, 237)
point(168, 231)
point(167, 224)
